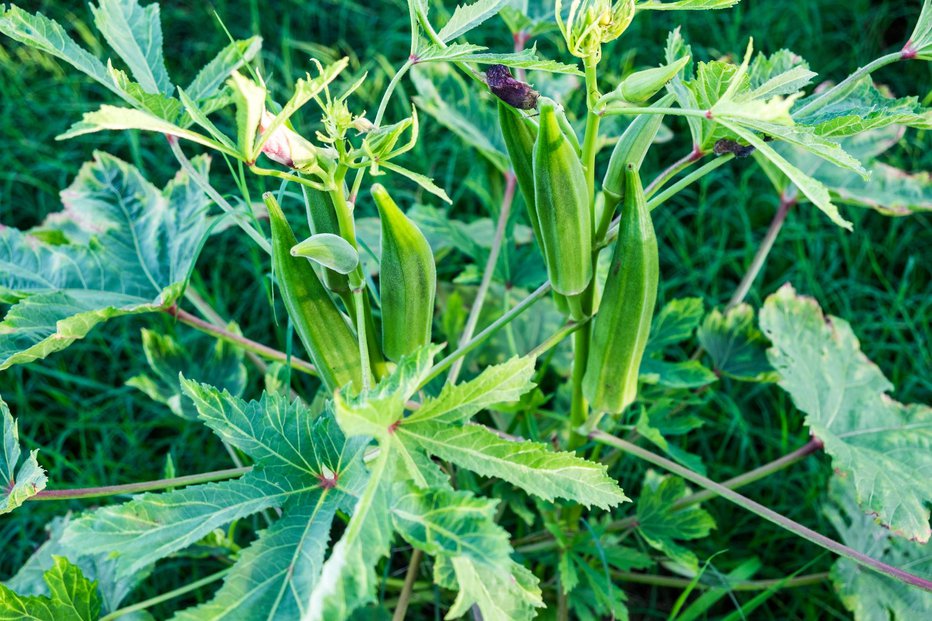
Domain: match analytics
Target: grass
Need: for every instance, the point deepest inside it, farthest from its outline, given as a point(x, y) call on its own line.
point(93, 430)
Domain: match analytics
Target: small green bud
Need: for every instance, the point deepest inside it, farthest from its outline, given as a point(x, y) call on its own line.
point(590, 23)
point(640, 86)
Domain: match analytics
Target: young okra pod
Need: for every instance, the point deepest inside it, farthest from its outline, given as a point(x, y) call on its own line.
point(561, 199)
point(320, 325)
point(622, 325)
point(520, 133)
point(407, 280)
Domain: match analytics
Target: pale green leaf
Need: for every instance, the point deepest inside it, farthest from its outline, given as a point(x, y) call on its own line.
point(116, 118)
point(685, 5)
point(675, 323)
point(868, 594)
point(212, 76)
point(164, 107)
point(142, 243)
point(468, 16)
point(328, 250)
point(18, 482)
point(45, 34)
point(736, 346)
point(136, 35)
point(213, 362)
point(196, 114)
point(425, 182)
point(72, 597)
point(249, 98)
point(781, 73)
point(527, 59)
point(885, 447)
point(921, 40)
point(662, 527)
point(458, 403)
point(500, 596)
point(529, 465)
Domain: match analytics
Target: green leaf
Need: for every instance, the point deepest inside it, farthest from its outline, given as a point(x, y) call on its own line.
point(136, 35)
point(496, 384)
point(217, 363)
point(468, 16)
point(685, 5)
point(781, 73)
point(17, 484)
point(249, 98)
point(142, 243)
point(861, 108)
point(425, 182)
point(500, 597)
point(885, 447)
point(211, 77)
point(674, 324)
point(529, 465)
point(46, 35)
point(868, 594)
point(72, 597)
point(115, 118)
point(163, 106)
point(328, 250)
point(527, 59)
point(736, 346)
point(664, 419)
point(662, 527)
point(921, 40)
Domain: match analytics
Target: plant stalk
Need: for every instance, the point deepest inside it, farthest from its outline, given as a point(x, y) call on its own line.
point(760, 510)
point(135, 488)
point(746, 585)
point(240, 341)
point(674, 169)
point(401, 608)
point(473, 319)
point(688, 180)
point(845, 86)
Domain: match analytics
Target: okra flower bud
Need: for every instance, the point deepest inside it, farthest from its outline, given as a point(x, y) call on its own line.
point(590, 23)
point(640, 86)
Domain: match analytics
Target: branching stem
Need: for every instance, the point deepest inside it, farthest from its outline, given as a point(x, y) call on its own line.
point(135, 488)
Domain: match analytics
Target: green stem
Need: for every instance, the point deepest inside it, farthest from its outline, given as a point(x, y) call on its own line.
point(747, 585)
point(362, 338)
point(847, 85)
point(557, 337)
point(579, 408)
point(591, 138)
point(671, 171)
point(135, 488)
point(158, 599)
point(688, 180)
point(494, 327)
point(760, 257)
point(476, 310)
point(240, 341)
point(625, 110)
point(764, 512)
point(221, 202)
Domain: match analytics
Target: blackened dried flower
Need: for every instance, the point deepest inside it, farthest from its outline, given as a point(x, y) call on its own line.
point(513, 92)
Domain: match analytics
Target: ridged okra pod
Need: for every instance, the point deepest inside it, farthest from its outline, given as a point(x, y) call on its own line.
point(407, 280)
point(622, 325)
point(520, 133)
point(320, 325)
point(322, 218)
point(562, 201)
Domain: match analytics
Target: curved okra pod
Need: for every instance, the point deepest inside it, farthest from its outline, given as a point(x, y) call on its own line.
point(562, 202)
point(322, 218)
point(320, 325)
point(622, 325)
point(407, 280)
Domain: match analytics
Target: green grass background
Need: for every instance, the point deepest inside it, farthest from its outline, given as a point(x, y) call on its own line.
point(94, 430)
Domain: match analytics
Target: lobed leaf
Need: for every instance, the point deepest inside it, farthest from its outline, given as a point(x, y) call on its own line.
point(466, 17)
point(18, 481)
point(736, 346)
point(140, 245)
point(72, 597)
point(885, 447)
point(136, 35)
point(211, 77)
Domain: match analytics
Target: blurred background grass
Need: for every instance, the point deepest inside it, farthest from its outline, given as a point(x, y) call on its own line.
point(94, 430)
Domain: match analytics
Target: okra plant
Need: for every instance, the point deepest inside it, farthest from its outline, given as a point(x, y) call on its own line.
point(438, 452)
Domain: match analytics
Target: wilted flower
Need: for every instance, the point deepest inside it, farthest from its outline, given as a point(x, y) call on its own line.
point(286, 146)
point(590, 23)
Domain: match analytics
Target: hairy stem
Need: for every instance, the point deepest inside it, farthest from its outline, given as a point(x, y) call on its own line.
point(766, 245)
point(135, 488)
point(760, 510)
point(401, 608)
point(158, 599)
point(494, 327)
point(487, 275)
point(249, 345)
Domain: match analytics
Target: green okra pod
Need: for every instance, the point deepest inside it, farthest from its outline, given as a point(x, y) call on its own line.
point(519, 133)
point(622, 325)
point(320, 325)
point(407, 280)
point(322, 218)
point(562, 201)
